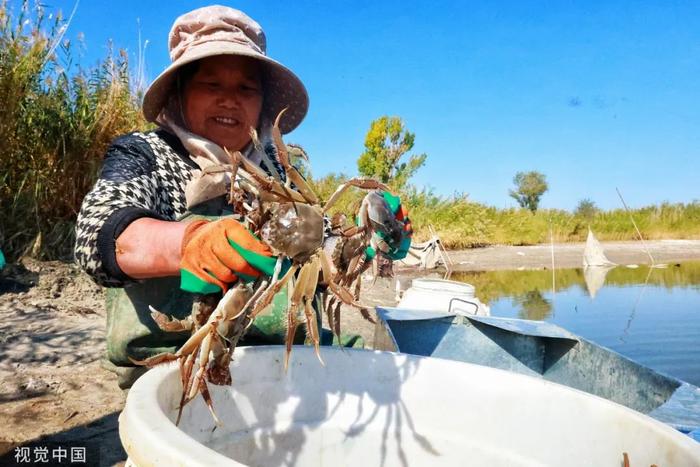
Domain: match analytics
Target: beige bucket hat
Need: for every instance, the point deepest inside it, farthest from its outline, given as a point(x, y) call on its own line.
point(219, 30)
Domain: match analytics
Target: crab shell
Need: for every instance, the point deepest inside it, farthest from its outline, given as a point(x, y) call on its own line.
point(381, 218)
point(294, 230)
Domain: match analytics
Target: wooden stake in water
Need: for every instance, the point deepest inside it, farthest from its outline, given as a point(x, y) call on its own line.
point(636, 228)
point(551, 242)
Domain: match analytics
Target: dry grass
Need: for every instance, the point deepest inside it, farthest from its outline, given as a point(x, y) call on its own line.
point(462, 223)
point(56, 122)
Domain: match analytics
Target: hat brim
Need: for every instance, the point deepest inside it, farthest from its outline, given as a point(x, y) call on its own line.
point(283, 89)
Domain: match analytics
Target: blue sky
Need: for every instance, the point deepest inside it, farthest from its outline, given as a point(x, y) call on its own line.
point(595, 95)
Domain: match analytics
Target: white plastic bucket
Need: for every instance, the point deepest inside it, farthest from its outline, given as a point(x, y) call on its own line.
point(380, 408)
point(442, 296)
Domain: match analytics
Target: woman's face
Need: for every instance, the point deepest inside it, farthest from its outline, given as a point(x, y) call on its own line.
point(223, 99)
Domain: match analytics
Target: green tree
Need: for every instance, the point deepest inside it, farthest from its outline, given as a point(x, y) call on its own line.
point(529, 188)
point(385, 144)
point(586, 209)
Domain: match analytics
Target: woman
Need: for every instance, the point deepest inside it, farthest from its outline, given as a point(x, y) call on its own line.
point(131, 235)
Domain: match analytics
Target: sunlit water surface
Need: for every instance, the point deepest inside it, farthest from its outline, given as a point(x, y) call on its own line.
point(649, 315)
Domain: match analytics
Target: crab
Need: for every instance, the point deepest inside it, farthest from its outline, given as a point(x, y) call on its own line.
point(295, 229)
point(288, 217)
point(209, 346)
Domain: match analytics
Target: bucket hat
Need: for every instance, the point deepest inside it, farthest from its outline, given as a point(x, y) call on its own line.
point(219, 30)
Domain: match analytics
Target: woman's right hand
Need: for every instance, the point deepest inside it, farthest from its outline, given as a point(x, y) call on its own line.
point(218, 253)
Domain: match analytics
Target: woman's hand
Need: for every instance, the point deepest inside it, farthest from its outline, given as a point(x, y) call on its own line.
point(399, 250)
point(150, 248)
point(218, 253)
point(392, 229)
point(207, 255)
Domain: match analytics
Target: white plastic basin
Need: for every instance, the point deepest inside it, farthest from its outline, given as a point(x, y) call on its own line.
point(441, 295)
point(373, 408)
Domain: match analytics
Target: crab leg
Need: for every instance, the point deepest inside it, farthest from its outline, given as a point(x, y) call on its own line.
point(293, 175)
point(204, 389)
point(339, 291)
point(329, 271)
point(273, 187)
point(203, 360)
point(353, 265)
point(195, 340)
point(329, 313)
point(155, 360)
point(278, 268)
point(292, 324)
point(200, 334)
point(312, 327)
point(168, 324)
point(310, 314)
point(267, 183)
point(364, 183)
point(186, 373)
point(336, 321)
point(358, 286)
point(271, 291)
point(298, 297)
point(345, 296)
point(300, 286)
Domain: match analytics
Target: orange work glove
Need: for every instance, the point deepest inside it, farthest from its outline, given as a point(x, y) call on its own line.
point(213, 252)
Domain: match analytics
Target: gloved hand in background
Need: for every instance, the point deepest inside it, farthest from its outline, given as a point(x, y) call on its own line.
point(218, 253)
point(391, 226)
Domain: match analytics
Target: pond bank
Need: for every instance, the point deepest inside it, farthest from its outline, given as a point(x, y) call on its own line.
point(570, 255)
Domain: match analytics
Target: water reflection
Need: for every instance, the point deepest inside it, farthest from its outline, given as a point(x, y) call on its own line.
point(595, 278)
point(534, 306)
point(649, 315)
point(636, 303)
point(493, 285)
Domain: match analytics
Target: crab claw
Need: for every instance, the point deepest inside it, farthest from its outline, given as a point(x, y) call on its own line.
point(297, 151)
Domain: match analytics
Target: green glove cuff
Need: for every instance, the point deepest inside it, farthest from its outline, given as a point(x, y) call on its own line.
point(191, 283)
point(402, 250)
point(264, 264)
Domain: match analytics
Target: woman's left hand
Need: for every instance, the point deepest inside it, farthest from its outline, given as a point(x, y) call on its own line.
point(393, 240)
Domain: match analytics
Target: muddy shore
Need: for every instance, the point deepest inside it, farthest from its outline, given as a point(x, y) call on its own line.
point(52, 321)
point(570, 255)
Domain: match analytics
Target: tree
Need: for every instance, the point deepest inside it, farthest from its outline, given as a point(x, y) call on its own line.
point(530, 186)
point(586, 209)
point(385, 144)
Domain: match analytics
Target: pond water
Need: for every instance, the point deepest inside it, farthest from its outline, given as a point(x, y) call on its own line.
point(647, 314)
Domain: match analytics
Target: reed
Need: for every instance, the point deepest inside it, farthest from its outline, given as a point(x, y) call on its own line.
point(56, 122)
point(462, 223)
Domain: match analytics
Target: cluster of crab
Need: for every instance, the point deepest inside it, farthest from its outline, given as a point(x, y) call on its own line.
point(291, 220)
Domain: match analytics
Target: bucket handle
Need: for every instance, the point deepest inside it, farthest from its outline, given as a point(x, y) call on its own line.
point(453, 299)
